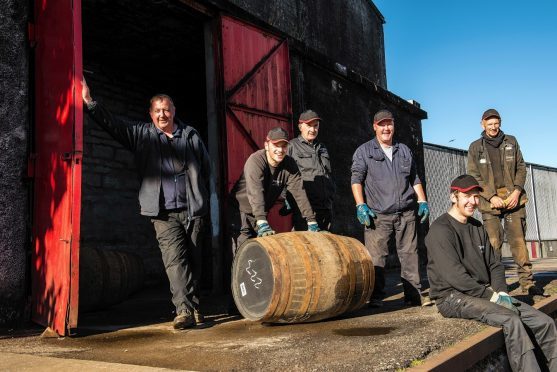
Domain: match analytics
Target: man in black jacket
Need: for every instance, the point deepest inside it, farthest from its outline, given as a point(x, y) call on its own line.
point(467, 280)
point(173, 165)
point(314, 163)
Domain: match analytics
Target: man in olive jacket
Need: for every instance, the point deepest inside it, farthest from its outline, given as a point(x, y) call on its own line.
point(496, 162)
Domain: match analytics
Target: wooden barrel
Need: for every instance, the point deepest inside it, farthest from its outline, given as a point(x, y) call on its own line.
point(301, 277)
point(107, 277)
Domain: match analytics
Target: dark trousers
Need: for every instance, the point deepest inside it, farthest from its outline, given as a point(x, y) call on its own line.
point(516, 329)
point(514, 225)
point(324, 218)
point(243, 227)
point(180, 243)
point(403, 226)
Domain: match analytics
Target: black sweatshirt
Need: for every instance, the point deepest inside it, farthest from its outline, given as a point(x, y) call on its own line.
point(462, 259)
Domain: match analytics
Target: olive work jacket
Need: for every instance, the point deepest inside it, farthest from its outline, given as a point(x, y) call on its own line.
point(479, 166)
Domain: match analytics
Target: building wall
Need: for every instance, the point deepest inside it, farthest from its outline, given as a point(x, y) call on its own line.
point(349, 32)
point(326, 42)
point(14, 133)
point(346, 108)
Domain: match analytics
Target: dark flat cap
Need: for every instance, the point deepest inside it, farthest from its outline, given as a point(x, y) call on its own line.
point(382, 115)
point(277, 134)
point(465, 183)
point(307, 116)
point(491, 113)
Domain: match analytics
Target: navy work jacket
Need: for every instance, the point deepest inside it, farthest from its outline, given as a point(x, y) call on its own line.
point(388, 184)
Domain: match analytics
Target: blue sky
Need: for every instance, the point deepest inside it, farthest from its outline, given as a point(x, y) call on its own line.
point(459, 58)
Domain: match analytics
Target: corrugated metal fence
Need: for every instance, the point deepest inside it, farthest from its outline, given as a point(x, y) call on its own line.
point(443, 164)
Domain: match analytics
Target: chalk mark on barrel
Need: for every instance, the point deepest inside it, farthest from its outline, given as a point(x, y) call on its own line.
point(253, 275)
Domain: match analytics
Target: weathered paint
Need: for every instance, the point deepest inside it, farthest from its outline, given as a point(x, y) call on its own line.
point(256, 74)
point(58, 147)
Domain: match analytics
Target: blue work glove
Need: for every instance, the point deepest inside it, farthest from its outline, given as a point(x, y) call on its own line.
point(313, 226)
point(505, 300)
point(423, 211)
point(263, 229)
point(286, 208)
point(363, 213)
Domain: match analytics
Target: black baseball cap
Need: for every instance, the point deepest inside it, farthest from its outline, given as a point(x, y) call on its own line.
point(277, 135)
point(307, 116)
point(465, 183)
point(491, 113)
point(382, 115)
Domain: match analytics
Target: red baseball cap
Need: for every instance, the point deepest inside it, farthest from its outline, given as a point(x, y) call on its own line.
point(465, 183)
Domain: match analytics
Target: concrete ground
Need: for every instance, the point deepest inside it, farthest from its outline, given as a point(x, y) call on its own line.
point(137, 335)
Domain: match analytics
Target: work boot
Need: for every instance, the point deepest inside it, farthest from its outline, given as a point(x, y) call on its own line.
point(184, 319)
point(422, 301)
point(534, 290)
point(198, 316)
point(426, 301)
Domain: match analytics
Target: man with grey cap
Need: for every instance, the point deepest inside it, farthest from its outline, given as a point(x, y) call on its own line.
point(312, 159)
point(267, 172)
point(393, 190)
point(467, 280)
point(496, 162)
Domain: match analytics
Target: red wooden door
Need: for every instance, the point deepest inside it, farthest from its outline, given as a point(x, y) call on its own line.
point(58, 149)
point(257, 92)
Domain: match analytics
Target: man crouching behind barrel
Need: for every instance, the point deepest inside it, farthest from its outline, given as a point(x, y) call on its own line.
point(266, 173)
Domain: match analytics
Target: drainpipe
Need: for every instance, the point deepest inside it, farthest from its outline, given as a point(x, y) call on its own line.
point(535, 210)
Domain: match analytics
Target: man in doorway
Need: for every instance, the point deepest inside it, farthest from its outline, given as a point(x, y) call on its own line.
point(173, 165)
point(267, 172)
point(496, 162)
point(312, 159)
point(467, 280)
point(387, 170)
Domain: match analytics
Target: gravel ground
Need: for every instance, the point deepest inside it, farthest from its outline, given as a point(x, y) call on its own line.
point(139, 332)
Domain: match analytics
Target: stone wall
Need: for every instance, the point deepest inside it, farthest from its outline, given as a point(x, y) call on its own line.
point(14, 135)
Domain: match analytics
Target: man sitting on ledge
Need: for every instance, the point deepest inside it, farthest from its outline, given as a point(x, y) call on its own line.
point(467, 280)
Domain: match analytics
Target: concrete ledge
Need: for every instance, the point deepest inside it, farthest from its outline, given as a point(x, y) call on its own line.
point(470, 351)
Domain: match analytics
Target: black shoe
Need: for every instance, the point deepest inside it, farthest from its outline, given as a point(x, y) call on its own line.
point(184, 319)
point(534, 290)
point(375, 303)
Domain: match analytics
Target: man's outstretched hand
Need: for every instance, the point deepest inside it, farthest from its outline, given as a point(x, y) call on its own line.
point(85, 93)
